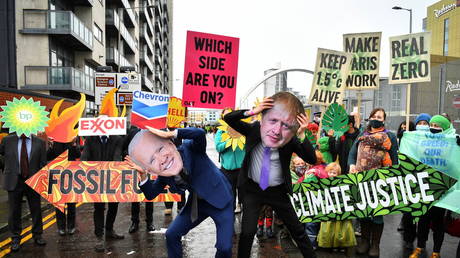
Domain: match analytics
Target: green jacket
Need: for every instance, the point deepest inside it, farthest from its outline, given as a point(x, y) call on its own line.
point(228, 158)
point(323, 144)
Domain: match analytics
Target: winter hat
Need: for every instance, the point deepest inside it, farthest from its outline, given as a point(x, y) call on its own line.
point(441, 121)
point(422, 117)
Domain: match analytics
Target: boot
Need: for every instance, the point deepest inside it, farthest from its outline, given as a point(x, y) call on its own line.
point(363, 241)
point(376, 234)
point(435, 255)
point(416, 253)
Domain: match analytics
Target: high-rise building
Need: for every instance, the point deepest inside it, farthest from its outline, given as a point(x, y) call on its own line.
point(276, 83)
point(54, 46)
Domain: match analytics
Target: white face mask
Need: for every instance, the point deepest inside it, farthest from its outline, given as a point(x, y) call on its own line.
point(422, 128)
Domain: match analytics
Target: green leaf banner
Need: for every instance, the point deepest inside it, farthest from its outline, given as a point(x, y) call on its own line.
point(335, 118)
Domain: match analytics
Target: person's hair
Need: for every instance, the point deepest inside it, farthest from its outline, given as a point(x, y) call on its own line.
point(335, 166)
point(375, 110)
point(290, 101)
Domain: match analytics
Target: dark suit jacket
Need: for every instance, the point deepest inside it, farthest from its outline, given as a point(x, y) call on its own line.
point(9, 149)
point(252, 132)
point(93, 151)
point(204, 178)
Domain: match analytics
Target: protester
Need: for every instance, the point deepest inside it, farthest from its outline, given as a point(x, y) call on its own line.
point(136, 206)
point(403, 128)
point(375, 148)
point(265, 176)
point(422, 122)
point(342, 146)
point(103, 148)
point(186, 167)
point(230, 159)
point(434, 217)
point(65, 220)
point(169, 205)
point(265, 222)
point(23, 156)
point(336, 234)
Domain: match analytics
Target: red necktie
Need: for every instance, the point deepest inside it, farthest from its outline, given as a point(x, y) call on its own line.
point(24, 158)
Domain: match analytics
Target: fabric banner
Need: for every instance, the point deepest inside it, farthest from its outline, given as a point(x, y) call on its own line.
point(410, 58)
point(410, 186)
point(331, 70)
point(63, 181)
point(441, 152)
point(210, 73)
point(364, 70)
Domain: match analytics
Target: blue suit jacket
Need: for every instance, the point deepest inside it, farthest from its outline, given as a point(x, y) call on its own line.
point(204, 177)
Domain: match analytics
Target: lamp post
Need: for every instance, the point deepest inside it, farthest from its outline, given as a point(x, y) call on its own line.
point(408, 85)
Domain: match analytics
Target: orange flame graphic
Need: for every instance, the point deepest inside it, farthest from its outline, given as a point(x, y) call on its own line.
point(109, 107)
point(62, 127)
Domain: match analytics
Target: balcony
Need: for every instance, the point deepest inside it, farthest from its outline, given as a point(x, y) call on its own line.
point(146, 59)
point(112, 56)
point(149, 44)
point(64, 25)
point(112, 18)
point(147, 83)
point(57, 78)
point(128, 38)
point(131, 17)
point(88, 3)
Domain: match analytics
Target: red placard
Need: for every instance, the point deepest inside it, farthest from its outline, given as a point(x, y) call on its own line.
point(210, 73)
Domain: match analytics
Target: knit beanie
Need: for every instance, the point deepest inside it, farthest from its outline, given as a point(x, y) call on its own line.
point(441, 121)
point(422, 117)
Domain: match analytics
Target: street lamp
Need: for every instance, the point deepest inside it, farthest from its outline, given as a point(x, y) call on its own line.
point(410, 11)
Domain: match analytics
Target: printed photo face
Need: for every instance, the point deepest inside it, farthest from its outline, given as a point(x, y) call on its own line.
point(277, 127)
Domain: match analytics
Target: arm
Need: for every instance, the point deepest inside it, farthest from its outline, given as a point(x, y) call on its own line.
point(220, 146)
point(304, 150)
point(86, 153)
point(152, 189)
point(394, 149)
point(43, 160)
point(198, 137)
point(118, 149)
point(332, 149)
point(352, 156)
point(234, 120)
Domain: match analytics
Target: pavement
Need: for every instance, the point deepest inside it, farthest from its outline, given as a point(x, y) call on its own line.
point(199, 242)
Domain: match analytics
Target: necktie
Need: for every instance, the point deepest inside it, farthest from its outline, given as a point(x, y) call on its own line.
point(265, 170)
point(104, 139)
point(24, 158)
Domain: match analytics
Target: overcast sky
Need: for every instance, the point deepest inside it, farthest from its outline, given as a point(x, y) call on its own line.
point(288, 32)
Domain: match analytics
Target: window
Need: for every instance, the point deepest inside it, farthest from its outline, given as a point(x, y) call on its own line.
point(98, 33)
point(446, 37)
point(379, 98)
point(89, 78)
point(396, 99)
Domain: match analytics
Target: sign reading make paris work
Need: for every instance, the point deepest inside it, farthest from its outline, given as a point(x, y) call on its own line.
point(210, 73)
point(410, 58)
point(410, 186)
point(149, 109)
point(364, 70)
point(331, 71)
point(63, 181)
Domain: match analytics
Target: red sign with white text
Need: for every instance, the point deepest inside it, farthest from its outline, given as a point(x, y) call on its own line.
point(102, 125)
point(210, 73)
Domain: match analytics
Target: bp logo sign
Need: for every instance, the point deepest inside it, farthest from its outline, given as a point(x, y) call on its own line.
point(410, 186)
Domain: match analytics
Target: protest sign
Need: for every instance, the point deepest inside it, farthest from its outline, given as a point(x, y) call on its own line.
point(24, 116)
point(364, 70)
point(127, 83)
point(410, 58)
point(61, 128)
point(210, 73)
point(331, 71)
point(176, 112)
point(102, 125)
point(104, 82)
point(63, 181)
point(441, 152)
point(149, 109)
point(410, 186)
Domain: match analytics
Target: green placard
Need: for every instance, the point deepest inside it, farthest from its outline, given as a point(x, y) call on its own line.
point(335, 118)
point(410, 186)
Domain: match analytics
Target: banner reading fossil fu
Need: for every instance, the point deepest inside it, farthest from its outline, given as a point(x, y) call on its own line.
point(63, 181)
point(410, 58)
point(364, 70)
point(210, 73)
point(331, 70)
point(410, 186)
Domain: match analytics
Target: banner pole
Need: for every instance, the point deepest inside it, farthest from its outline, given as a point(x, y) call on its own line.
point(322, 109)
point(360, 97)
point(408, 106)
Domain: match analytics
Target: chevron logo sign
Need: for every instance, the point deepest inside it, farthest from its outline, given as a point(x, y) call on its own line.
point(149, 109)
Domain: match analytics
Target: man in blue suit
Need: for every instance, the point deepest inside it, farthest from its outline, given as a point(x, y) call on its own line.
point(185, 168)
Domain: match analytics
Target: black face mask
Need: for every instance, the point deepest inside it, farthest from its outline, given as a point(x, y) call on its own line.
point(376, 123)
point(435, 130)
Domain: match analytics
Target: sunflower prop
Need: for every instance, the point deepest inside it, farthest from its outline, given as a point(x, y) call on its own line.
point(231, 137)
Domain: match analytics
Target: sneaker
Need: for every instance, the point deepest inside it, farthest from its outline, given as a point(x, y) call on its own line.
point(100, 245)
point(416, 253)
point(435, 255)
point(168, 212)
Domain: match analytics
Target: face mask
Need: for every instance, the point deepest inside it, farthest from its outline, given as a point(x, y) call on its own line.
point(422, 128)
point(435, 130)
point(376, 123)
point(317, 119)
point(300, 170)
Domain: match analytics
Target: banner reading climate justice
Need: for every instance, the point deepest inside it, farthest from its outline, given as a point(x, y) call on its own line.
point(331, 70)
point(210, 73)
point(364, 70)
point(410, 58)
point(410, 186)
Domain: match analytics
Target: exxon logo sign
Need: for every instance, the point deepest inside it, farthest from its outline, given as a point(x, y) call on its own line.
point(102, 125)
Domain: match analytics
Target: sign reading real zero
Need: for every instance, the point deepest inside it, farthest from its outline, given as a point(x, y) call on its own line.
point(149, 109)
point(210, 73)
point(102, 125)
